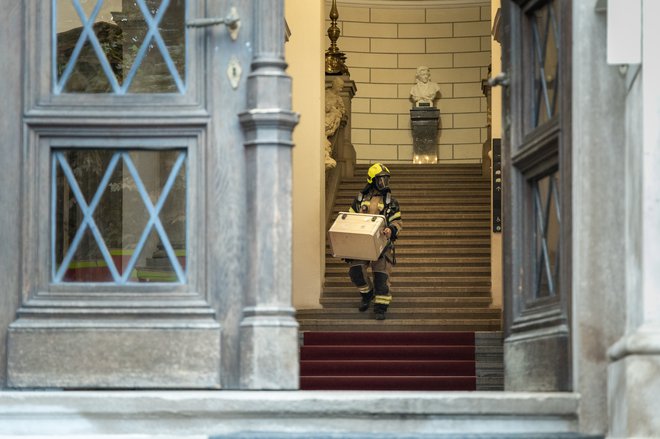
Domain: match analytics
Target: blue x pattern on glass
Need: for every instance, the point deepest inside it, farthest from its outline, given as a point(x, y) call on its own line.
point(88, 219)
point(542, 41)
point(543, 209)
point(88, 34)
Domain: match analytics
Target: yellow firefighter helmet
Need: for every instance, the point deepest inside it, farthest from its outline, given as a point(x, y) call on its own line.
point(377, 169)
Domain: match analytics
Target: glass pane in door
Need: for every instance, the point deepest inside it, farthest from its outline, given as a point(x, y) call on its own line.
point(545, 62)
point(119, 216)
point(119, 46)
point(545, 193)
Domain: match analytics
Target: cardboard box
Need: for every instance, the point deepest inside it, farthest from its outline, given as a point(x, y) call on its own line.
point(358, 236)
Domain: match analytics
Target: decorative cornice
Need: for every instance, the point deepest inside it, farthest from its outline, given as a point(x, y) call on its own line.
point(410, 3)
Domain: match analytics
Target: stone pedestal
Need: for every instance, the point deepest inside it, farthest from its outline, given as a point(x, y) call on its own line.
point(424, 122)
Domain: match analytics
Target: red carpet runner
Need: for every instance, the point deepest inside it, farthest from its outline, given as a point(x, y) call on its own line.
point(388, 361)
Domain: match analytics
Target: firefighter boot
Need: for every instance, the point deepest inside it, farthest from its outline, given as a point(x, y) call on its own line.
point(379, 311)
point(383, 297)
point(364, 285)
point(366, 300)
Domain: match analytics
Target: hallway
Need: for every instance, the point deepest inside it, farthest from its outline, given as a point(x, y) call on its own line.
point(441, 331)
point(441, 281)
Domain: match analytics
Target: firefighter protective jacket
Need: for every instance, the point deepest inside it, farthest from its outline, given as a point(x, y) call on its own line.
point(376, 203)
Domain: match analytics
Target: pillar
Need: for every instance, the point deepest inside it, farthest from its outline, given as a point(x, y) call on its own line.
point(633, 375)
point(268, 330)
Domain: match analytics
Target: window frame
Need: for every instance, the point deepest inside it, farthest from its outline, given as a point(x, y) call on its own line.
point(41, 99)
point(37, 263)
point(536, 152)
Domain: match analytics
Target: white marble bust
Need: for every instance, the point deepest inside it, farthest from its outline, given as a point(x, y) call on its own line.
point(424, 91)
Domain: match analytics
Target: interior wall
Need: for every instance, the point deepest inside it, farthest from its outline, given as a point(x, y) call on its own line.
point(67, 17)
point(305, 55)
point(496, 133)
point(384, 43)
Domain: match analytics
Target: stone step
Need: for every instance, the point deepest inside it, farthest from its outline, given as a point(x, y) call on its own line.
point(411, 251)
point(401, 313)
point(443, 216)
point(411, 193)
point(414, 223)
point(398, 281)
point(404, 261)
point(374, 338)
point(375, 383)
point(443, 242)
point(409, 256)
point(416, 220)
point(390, 368)
point(459, 182)
point(460, 245)
point(348, 293)
point(411, 235)
point(400, 169)
point(425, 290)
point(414, 229)
point(415, 302)
point(432, 250)
point(424, 271)
point(370, 324)
point(426, 208)
point(430, 205)
point(293, 414)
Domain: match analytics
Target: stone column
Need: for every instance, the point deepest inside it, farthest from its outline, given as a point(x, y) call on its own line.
point(634, 378)
point(269, 331)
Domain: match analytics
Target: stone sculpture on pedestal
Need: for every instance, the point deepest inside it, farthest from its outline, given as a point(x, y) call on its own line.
point(335, 112)
point(424, 117)
point(424, 92)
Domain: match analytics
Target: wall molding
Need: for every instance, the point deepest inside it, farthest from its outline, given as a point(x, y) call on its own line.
point(410, 3)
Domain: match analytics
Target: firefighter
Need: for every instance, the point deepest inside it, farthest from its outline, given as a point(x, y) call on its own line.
point(376, 199)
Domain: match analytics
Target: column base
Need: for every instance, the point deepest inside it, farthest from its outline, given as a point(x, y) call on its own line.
point(269, 350)
point(634, 384)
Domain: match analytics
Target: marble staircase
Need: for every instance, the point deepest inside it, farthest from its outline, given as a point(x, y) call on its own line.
point(441, 281)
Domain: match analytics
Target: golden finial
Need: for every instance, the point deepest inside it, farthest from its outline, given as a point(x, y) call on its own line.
point(334, 58)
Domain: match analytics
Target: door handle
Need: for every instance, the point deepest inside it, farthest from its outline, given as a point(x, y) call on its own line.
point(232, 21)
point(502, 79)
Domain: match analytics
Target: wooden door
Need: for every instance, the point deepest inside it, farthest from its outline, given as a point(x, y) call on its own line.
point(144, 125)
point(537, 193)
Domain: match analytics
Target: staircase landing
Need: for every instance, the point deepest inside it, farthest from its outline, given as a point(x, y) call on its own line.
point(308, 414)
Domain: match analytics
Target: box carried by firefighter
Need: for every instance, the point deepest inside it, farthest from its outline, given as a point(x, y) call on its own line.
point(358, 236)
